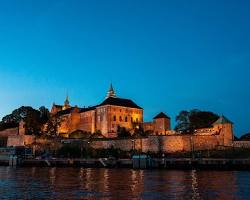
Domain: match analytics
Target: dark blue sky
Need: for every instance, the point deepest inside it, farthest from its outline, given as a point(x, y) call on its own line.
point(165, 55)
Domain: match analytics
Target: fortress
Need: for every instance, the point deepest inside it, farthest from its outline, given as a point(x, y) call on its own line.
point(113, 113)
point(116, 112)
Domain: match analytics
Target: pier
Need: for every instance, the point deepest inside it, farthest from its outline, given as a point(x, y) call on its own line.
point(153, 163)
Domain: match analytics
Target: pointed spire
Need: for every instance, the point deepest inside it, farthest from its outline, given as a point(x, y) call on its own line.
point(66, 102)
point(111, 92)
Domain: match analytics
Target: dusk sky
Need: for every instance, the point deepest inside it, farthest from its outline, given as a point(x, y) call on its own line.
point(165, 55)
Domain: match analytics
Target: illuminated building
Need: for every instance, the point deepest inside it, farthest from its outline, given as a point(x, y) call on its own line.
point(106, 117)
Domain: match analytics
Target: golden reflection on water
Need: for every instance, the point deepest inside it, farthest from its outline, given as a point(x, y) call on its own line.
point(120, 184)
point(195, 191)
point(52, 175)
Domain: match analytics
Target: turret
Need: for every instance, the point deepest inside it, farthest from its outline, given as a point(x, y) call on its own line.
point(66, 103)
point(161, 124)
point(111, 92)
point(225, 128)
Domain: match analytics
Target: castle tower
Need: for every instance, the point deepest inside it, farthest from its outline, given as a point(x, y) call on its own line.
point(21, 128)
point(111, 92)
point(66, 103)
point(225, 127)
point(161, 124)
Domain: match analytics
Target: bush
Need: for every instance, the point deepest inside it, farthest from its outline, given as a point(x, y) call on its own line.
point(70, 150)
point(79, 134)
point(122, 132)
point(97, 134)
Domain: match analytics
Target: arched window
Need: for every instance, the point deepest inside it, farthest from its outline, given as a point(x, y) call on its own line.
point(126, 119)
point(120, 118)
point(114, 118)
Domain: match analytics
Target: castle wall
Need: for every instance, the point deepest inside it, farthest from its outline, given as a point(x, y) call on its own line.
point(87, 121)
point(9, 132)
point(161, 125)
point(241, 144)
point(74, 120)
point(148, 126)
point(65, 124)
point(171, 143)
point(102, 118)
point(20, 140)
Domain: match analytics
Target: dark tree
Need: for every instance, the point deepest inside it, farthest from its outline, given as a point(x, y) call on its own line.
point(44, 114)
point(51, 128)
point(245, 137)
point(34, 119)
point(188, 121)
point(183, 122)
point(79, 134)
point(33, 122)
point(139, 131)
point(122, 132)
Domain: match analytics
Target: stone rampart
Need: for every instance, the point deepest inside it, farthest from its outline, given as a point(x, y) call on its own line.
point(9, 132)
point(20, 140)
point(241, 144)
point(168, 143)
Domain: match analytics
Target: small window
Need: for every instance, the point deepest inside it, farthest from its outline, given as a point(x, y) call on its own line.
point(114, 118)
point(120, 118)
point(126, 119)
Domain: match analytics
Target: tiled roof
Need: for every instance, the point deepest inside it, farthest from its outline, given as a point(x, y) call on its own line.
point(119, 102)
point(222, 120)
point(161, 115)
point(58, 106)
point(86, 109)
point(65, 112)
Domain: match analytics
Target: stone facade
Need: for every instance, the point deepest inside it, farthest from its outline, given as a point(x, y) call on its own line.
point(221, 134)
point(159, 126)
point(241, 144)
point(9, 132)
point(20, 140)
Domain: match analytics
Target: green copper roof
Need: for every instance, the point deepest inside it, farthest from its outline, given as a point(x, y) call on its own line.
point(222, 120)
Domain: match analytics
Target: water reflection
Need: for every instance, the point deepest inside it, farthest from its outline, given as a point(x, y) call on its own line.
point(113, 184)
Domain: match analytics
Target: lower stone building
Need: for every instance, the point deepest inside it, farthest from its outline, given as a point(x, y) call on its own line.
point(159, 126)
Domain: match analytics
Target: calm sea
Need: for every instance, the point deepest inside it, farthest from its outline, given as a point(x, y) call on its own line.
point(121, 184)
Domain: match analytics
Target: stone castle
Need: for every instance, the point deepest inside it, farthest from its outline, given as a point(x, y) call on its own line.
point(106, 117)
point(115, 112)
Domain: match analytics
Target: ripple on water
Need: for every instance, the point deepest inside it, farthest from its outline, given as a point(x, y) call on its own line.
point(108, 184)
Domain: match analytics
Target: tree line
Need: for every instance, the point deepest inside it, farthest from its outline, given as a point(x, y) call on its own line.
point(35, 119)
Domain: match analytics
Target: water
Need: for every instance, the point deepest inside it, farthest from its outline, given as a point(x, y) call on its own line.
point(122, 184)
